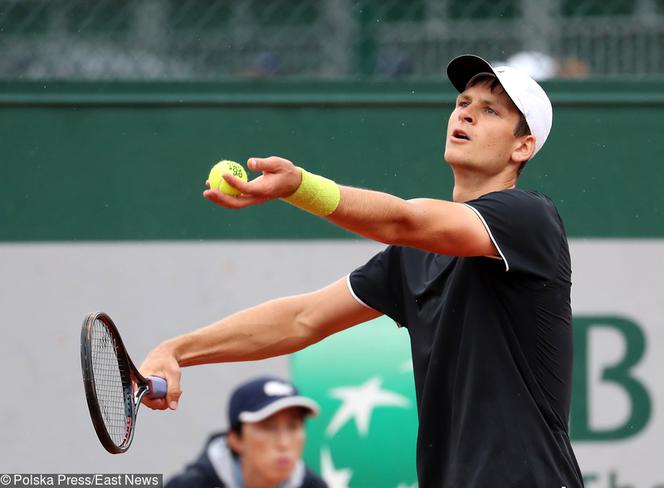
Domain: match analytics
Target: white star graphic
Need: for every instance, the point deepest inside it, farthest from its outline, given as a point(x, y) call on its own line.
point(359, 402)
point(407, 366)
point(404, 485)
point(335, 478)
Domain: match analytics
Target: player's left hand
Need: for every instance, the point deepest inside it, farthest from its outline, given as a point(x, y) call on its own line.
point(280, 178)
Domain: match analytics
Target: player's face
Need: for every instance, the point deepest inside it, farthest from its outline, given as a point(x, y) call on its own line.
point(480, 131)
point(270, 449)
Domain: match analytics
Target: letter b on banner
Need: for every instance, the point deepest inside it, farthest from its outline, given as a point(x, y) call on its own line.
point(619, 374)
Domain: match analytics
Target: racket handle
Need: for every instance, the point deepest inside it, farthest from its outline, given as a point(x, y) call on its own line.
point(158, 387)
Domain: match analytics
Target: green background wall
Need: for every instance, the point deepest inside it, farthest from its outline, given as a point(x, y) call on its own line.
point(127, 161)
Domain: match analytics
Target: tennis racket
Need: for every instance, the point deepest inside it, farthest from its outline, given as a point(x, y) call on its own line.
point(113, 385)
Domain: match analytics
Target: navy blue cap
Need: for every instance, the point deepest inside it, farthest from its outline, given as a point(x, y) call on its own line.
point(258, 399)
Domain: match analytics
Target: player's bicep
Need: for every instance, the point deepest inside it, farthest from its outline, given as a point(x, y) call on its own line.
point(333, 309)
point(449, 228)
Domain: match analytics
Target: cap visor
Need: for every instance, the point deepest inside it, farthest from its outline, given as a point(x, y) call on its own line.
point(462, 69)
point(283, 403)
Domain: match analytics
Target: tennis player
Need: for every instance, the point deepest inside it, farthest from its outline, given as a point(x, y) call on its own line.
point(481, 283)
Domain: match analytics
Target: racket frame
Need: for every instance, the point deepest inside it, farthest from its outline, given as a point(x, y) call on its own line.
point(135, 386)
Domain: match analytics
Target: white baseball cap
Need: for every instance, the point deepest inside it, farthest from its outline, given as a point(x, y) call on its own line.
point(527, 95)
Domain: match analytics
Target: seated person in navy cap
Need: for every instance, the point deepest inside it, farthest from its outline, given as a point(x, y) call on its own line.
point(263, 447)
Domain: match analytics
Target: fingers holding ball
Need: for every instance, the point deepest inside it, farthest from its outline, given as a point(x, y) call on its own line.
point(216, 178)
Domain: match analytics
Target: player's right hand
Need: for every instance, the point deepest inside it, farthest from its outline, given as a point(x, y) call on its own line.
point(280, 178)
point(161, 362)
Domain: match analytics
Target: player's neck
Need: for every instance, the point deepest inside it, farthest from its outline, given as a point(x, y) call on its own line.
point(470, 185)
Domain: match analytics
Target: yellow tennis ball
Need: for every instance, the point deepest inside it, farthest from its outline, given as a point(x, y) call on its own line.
point(216, 180)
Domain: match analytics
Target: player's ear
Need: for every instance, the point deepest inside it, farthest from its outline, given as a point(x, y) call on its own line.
point(234, 442)
point(524, 149)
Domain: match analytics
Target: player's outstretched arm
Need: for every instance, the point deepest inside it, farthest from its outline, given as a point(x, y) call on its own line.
point(432, 225)
point(437, 226)
point(274, 328)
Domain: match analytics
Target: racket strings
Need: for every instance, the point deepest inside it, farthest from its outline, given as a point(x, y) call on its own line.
point(114, 399)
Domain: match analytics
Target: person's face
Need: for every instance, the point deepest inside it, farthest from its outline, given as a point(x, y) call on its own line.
point(269, 449)
point(480, 132)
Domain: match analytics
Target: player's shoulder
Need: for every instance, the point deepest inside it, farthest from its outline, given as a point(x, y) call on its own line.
point(518, 194)
point(532, 195)
point(518, 197)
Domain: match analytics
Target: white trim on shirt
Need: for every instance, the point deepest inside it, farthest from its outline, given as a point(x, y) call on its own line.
point(486, 226)
point(350, 289)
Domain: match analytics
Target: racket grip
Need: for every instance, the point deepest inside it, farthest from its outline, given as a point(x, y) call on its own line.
point(158, 387)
